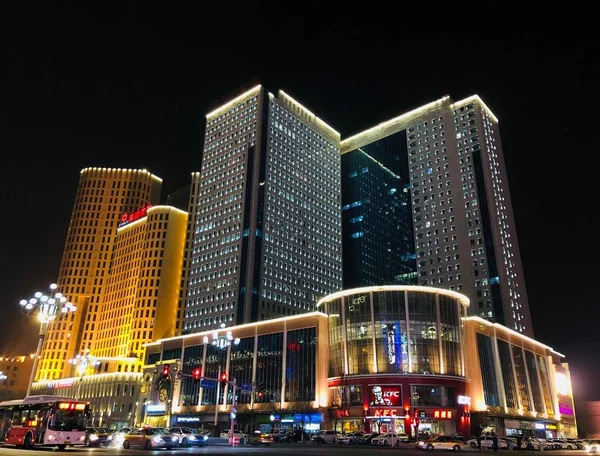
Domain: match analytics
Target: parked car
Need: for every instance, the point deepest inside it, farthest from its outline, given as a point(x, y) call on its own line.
point(351, 438)
point(442, 442)
point(366, 439)
point(390, 439)
point(150, 438)
point(487, 442)
point(327, 437)
point(188, 436)
point(592, 446)
point(535, 443)
point(260, 438)
point(97, 437)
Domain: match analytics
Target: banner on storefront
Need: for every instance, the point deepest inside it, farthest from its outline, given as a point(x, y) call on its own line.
point(386, 395)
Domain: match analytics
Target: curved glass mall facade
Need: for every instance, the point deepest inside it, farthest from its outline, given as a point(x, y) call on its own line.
point(396, 351)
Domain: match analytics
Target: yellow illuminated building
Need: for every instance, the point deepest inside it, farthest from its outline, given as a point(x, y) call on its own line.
point(140, 300)
point(103, 196)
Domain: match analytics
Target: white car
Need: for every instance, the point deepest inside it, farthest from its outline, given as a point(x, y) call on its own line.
point(390, 439)
point(487, 442)
point(592, 446)
point(442, 442)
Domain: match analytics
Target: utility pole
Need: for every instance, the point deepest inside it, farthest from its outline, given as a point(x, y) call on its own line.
point(233, 413)
point(217, 398)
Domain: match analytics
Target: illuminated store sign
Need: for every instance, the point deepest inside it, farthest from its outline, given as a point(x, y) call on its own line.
point(63, 383)
point(565, 409)
point(464, 400)
point(188, 419)
point(442, 414)
point(133, 216)
point(386, 395)
point(386, 412)
point(156, 409)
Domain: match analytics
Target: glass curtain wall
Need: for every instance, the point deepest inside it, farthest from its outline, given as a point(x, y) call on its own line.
point(507, 374)
point(545, 379)
point(359, 336)
point(522, 386)
point(390, 332)
point(215, 360)
point(450, 334)
point(424, 344)
point(488, 374)
point(269, 359)
point(192, 358)
point(240, 368)
point(300, 370)
point(536, 392)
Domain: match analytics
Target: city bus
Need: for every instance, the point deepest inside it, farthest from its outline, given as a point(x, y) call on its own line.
point(44, 421)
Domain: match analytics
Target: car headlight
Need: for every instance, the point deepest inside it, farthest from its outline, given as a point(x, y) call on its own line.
point(174, 439)
point(192, 438)
point(93, 437)
point(82, 438)
point(205, 437)
point(156, 439)
point(109, 437)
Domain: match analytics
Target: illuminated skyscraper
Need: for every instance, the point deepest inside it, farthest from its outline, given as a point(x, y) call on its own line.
point(267, 238)
point(426, 201)
point(103, 195)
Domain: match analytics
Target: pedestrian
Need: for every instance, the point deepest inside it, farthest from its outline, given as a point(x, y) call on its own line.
point(495, 442)
point(479, 442)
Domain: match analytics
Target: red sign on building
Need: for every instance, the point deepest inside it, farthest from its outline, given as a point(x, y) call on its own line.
point(133, 216)
point(386, 395)
point(442, 414)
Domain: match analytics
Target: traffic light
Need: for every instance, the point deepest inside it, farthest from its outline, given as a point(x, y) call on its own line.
point(197, 374)
point(166, 371)
point(223, 380)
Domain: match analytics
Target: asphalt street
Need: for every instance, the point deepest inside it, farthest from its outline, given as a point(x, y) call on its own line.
point(299, 449)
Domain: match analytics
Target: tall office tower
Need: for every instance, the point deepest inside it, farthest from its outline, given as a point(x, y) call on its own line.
point(438, 174)
point(102, 196)
point(268, 232)
point(141, 293)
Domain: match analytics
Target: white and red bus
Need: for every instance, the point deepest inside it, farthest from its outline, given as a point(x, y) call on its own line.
point(44, 421)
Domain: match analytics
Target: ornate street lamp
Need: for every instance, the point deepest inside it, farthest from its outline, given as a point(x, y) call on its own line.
point(82, 363)
point(45, 307)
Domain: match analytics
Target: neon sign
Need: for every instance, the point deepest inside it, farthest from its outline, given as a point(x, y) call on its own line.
point(133, 216)
point(342, 413)
point(442, 414)
point(385, 412)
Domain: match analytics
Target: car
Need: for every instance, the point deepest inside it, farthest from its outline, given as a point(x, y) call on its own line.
point(366, 438)
point(536, 443)
point(149, 438)
point(351, 438)
point(260, 438)
point(592, 446)
point(487, 442)
point(188, 436)
point(390, 439)
point(442, 442)
point(327, 437)
point(97, 437)
point(119, 435)
point(236, 434)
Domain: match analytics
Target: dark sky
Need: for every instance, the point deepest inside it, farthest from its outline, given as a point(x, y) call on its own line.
point(85, 85)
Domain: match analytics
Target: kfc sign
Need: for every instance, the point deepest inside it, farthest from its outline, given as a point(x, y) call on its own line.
point(385, 413)
point(386, 395)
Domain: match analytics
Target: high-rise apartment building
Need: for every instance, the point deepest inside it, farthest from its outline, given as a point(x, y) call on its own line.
point(426, 201)
point(267, 239)
point(103, 195)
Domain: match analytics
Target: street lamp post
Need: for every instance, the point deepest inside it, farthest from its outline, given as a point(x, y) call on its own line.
point(82, 363)
point(45, 307)
point(225, 341)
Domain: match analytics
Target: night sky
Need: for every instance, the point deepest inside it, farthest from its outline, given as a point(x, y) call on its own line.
point(85, 85)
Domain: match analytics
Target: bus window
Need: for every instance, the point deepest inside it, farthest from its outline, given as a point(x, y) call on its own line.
point(67, 420)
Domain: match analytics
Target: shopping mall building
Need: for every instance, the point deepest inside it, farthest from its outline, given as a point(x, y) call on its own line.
point(386, 358)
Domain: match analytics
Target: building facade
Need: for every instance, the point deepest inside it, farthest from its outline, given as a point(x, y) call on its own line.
point(138, 302)
point(15, 372)
point(267, 239)
point(103, 195)
point(519, 386)
point(279, 366)
point(435, 177)
point(393, 358)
